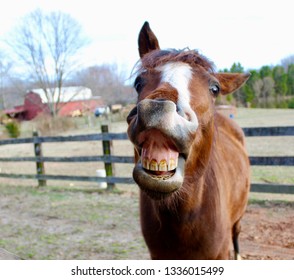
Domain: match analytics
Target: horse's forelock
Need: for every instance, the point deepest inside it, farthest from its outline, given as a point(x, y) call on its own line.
point(160, 57)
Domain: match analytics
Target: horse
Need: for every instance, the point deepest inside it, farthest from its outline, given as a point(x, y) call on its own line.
point(191, 164)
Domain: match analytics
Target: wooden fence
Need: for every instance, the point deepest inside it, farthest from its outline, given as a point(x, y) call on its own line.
point(109, 159)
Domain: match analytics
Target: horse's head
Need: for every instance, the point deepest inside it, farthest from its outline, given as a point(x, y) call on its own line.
point(176, 94)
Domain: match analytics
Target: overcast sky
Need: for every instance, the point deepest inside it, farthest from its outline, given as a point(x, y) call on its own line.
point(252, 32)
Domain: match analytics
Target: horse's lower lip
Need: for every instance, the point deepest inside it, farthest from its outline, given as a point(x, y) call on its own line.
point(160, 175)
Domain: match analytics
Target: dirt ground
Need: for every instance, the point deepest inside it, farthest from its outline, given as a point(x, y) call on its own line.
point(54, 223)
point(268, 231)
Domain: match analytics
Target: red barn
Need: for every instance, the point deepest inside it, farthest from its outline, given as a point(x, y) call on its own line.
point(74, 101)
point(32, 106)
point(79, 107)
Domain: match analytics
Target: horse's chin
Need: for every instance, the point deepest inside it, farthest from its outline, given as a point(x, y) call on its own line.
point(157, 185)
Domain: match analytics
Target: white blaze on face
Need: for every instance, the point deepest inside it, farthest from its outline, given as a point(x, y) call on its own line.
point(178, 75)
point(156, 155)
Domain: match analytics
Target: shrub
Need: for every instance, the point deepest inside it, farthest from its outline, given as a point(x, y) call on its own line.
point(13, 129)
point(48, 125)
point(291, 103)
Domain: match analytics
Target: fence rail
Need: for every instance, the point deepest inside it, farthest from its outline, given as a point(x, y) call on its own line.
point(254, 160)
point(70, 138)
point(269, 131)
point(108, 159)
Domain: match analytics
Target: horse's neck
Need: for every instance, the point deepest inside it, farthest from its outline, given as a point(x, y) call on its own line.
point(201, 154)
point(200, 182)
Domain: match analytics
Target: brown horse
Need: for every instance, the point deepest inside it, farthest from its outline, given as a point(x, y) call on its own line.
point(191, 164)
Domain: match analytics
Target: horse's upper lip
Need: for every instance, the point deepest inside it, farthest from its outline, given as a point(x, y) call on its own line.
point(162, 116)
point(165, 117)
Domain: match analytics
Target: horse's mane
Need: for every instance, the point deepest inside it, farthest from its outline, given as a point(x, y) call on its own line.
point(159, 57)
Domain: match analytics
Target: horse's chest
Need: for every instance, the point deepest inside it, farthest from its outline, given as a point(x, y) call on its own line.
point(188, 238)
point(184, 242)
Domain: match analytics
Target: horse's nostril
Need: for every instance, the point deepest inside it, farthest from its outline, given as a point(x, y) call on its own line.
point(183, 113)
point(188, 116)
point(132, 113)
point(160, 99)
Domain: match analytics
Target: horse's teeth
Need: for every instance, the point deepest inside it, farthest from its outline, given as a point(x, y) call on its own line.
point(172, 164)
point(153, 166)
point(162, 166)
point(145, 163)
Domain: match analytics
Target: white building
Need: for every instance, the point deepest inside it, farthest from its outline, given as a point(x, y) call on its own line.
point(67, 94)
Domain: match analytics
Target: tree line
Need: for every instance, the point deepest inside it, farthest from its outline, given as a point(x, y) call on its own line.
point(267, 87)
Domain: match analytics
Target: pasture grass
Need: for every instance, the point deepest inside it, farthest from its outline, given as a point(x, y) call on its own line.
point(264, 117)
point(271, 203)
point(49, 224)
point(273, 174)
point(269, 146)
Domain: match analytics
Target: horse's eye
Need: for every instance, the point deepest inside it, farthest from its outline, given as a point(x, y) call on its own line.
point(139, 84)
point(214, 89)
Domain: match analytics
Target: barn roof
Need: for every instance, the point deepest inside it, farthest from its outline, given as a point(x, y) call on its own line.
point(15, 110)
point(67, 94)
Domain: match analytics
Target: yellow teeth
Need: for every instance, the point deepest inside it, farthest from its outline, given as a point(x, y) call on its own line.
point(145, 163)
point(172, 164)
point(161, 166)
point(153, 165)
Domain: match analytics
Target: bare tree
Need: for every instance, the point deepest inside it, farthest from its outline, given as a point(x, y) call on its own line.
point(5, 67)
point(268, 89)
point(264, 91)
point(108, 81)
point(47, 45)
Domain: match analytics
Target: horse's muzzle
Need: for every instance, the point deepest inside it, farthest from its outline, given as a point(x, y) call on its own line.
point(162, 133)
point(177, 124)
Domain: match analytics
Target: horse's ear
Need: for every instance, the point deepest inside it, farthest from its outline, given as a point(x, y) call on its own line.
point(230, 82)
point(147, 40)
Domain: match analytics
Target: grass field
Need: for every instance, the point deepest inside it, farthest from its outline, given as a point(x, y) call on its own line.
point(269, 146)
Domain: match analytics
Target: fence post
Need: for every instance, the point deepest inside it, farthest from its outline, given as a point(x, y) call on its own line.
point(39, 164)
point(107, 145)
